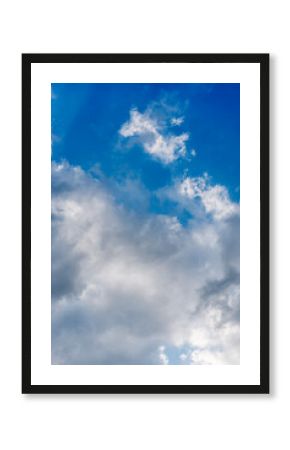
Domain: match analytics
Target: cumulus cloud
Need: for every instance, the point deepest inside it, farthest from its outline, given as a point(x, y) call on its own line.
point(215, 199)
point(131, 288)
point(152, 134)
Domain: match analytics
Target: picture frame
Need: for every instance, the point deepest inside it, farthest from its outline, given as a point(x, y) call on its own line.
point(251, 72)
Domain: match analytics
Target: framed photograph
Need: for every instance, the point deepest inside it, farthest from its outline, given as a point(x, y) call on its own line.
point(145, 233)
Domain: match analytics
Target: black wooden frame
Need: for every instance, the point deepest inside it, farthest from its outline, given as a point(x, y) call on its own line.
point(27, 60)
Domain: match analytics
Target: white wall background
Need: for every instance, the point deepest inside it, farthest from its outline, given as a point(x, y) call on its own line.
point(108, 422)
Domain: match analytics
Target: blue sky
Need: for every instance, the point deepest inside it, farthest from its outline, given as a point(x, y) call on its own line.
point(145, 223)
point(86, 119)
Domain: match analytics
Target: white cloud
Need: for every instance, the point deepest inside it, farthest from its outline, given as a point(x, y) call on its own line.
point(183, 356)
point(152, 134)
point(176, 121)
point(128, 288)
point(162, 355)
point(215, 199)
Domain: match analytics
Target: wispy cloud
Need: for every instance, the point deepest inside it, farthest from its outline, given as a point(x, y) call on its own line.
point(176, 121)
point(153, 135)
